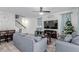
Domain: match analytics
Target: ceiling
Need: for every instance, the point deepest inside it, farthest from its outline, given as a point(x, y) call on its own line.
point(27, 11)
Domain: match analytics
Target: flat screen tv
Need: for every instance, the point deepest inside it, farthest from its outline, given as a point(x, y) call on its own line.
point(51, 24)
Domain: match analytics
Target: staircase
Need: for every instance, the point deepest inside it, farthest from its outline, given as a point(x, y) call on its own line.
point(19, 25)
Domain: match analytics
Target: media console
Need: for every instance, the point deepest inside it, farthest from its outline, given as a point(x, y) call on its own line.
point(51, 33)
point(6, 35)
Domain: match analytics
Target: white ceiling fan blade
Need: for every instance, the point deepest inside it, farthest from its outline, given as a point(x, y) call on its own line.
point(35, 11)
point(41, 10)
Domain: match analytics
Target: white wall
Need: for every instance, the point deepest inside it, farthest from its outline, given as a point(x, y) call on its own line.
point(30, 24)
point(57, 16)
point(7, 21)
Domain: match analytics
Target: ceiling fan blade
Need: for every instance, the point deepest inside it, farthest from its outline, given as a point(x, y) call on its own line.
point(46, 11)
point(41, 10)
point(35, 11)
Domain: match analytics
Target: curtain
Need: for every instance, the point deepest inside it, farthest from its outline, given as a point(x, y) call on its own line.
point(78, 22)
point(65, 17)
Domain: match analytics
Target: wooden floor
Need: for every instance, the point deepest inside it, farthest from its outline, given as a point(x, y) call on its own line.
point(9, 47)
point(51, 47)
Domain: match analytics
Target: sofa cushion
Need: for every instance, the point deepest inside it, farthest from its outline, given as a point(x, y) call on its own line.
point(75, 40)
point(68, 38)
point(37, 39)
point(22, 34)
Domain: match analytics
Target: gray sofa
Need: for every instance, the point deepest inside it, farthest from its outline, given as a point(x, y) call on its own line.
point(62, 46)
point(27, 43)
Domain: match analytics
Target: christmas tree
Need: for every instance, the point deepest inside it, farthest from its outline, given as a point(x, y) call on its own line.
point(68, 28)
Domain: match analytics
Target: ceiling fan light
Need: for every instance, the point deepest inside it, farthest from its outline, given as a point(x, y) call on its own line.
point(41, 13)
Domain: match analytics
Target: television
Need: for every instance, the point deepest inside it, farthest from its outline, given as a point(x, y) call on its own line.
point(53, 24)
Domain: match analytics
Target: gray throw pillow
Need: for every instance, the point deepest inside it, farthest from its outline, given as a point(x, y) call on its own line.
point(75, 40)
point(61, 37)
point(77, 33)
point(74, 34)
point(37, 39)
point(68, 38)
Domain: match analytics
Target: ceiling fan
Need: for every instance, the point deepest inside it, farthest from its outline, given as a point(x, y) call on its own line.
point(41, 11)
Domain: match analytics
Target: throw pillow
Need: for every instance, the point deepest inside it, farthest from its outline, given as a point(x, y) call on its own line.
point(68, 38)
point(37, 39)
point(75, 40)
point(77, 33)
point(61, 37)
point(74, 34)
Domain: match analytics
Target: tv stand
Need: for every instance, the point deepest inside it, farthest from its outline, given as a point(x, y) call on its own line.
point(50, 34)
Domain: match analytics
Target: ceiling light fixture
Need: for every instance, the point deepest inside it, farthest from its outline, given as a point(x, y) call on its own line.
point(41, 13)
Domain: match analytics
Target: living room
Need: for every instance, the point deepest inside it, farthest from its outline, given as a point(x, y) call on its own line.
point(46, 23)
